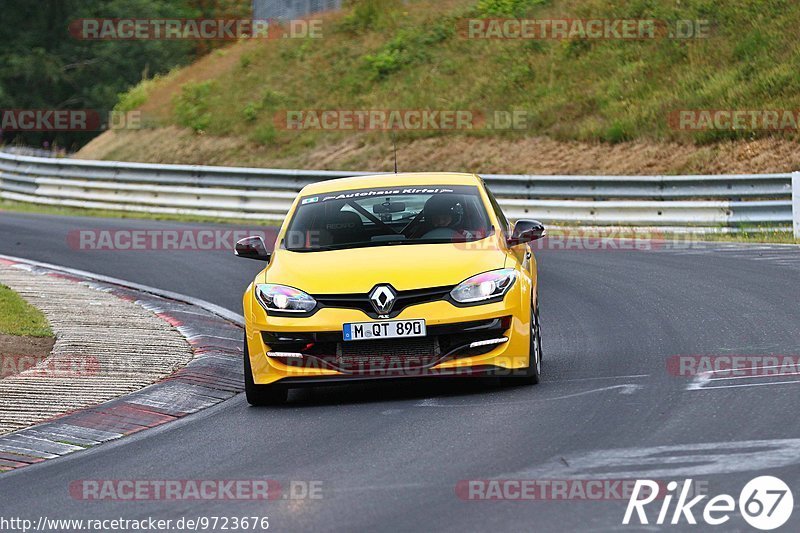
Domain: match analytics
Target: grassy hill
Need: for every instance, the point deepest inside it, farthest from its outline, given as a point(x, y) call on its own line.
point(591, 104)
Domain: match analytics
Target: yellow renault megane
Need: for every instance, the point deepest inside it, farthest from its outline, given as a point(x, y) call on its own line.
point(392, 276)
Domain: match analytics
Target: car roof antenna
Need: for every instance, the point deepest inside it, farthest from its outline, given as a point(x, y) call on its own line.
point(394, 144)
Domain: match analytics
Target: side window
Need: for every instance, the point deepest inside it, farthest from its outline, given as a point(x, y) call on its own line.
point(499, 212)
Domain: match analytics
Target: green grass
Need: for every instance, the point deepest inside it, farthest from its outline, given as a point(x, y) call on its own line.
point(757, 236)
point(380, 54)
point(18, 317)
point(22, 207)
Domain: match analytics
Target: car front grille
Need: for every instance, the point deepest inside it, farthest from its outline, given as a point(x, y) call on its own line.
point(329, 350)
point(391, 354)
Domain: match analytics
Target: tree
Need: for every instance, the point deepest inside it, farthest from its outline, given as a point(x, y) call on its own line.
point(43, 66)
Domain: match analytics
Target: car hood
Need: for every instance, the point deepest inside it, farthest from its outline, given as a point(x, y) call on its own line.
point(405, 267)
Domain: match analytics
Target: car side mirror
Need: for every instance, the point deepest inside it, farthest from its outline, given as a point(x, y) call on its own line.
point(526, 230)
point(252, 248)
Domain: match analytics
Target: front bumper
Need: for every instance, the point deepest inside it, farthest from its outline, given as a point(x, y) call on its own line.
point(445, 352)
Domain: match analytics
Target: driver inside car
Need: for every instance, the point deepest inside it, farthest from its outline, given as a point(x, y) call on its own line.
point(442, 217)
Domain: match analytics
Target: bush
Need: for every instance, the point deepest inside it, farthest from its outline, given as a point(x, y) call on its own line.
point(250, 112)
point(363, 17)
point(271, 99)
point(410, 45)
point(617, 133)
point(385, 62)
point(192, 106)
point(136, 96)
point(366, 15)
point(264, 134)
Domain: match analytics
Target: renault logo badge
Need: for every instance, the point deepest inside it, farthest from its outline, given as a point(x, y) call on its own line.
point(383, 298)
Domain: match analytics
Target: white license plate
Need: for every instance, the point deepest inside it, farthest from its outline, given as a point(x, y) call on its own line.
point(388, 329)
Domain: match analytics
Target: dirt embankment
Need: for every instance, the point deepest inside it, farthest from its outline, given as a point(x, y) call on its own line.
point(532, 155)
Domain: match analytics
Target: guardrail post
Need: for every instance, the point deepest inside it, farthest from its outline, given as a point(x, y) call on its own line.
point(796, 203)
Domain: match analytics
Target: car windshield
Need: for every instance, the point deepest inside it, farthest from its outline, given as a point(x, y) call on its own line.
point(388, 216)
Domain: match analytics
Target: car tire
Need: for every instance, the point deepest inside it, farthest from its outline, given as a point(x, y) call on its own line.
point(260, 394)
point(533, 372)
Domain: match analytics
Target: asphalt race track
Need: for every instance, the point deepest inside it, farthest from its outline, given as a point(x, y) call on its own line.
point(390, 456)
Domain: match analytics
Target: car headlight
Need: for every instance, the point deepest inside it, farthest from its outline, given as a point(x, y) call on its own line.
point(486, 286)
point(284, 299)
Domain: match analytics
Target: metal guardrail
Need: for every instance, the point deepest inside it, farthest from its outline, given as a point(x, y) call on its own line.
point(35, 152)
point(266, 194)
point(796, 203)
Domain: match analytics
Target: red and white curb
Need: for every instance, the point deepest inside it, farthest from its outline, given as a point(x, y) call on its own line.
point(212, 376)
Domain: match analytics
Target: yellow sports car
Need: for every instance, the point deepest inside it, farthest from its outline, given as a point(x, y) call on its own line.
point(392, 276)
